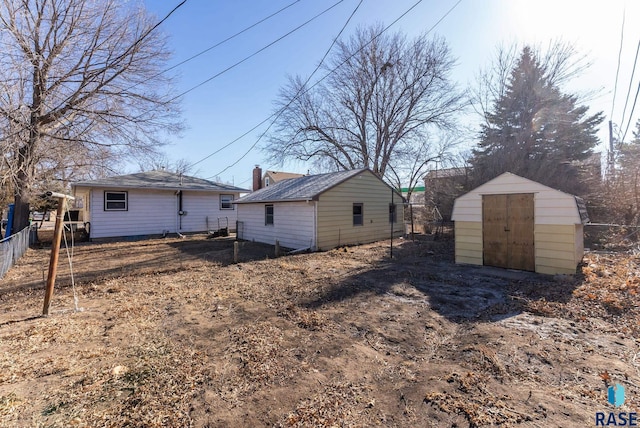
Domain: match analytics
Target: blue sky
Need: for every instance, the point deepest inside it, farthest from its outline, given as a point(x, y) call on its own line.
point(228, 106)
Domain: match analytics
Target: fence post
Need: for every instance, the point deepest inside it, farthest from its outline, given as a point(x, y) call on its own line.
point(235, 251)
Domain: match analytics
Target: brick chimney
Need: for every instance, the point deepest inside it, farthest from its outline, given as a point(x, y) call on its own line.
point(257, 178)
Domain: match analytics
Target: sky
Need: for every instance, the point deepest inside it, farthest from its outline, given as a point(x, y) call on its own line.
point(235, 101)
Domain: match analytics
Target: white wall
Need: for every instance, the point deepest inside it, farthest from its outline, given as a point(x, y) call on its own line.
point(293, 224)
point(152, 212)
point(200, 206)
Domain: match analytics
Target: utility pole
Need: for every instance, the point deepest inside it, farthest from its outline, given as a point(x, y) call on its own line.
point(610, 158)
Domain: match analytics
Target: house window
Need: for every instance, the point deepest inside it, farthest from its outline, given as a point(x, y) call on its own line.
point(266, 182)
point(393, 213)
point(115, 201)
point(357, 215)
point(268, 215)
point(226, 202)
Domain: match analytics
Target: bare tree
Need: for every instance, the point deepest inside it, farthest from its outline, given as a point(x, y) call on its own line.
point(374, 110)
point(80, 86)
point(161, 161)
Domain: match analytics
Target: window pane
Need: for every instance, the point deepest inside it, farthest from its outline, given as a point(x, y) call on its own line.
point(116, 201)
point(268, 214)
point(357, 215)
point(226, 202)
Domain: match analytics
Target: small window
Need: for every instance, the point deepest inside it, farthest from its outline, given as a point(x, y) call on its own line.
point(357, 215)
point(393, 213)
point(266, 182)
point(226, 202)
point(268, 215)
point(115, 201)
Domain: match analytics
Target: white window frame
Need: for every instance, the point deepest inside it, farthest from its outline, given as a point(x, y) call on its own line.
point(229, 202)
point(108, 201)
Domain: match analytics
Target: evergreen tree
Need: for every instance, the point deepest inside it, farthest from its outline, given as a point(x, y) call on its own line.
point(535, 131)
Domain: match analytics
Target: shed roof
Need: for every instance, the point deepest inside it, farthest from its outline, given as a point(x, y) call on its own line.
point(304, 188)
point(159, 180)
point(552, 206)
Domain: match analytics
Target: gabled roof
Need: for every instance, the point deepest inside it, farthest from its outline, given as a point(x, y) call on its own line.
point(305, 188)
point(158, 179)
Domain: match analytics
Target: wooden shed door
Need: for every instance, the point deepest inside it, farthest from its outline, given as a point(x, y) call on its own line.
point(507, 231)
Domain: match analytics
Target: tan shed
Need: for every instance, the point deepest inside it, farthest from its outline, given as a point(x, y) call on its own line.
point(515, 223)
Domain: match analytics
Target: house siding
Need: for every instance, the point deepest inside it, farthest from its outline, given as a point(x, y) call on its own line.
point(152, 212)
point(203, 212)
point(293, 224)
point(558, 230)
point(335, 212)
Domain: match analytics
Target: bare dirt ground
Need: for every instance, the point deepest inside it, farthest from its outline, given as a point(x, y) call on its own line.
point(171, 333)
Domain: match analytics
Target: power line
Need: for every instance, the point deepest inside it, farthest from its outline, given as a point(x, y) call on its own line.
point(255, 24)
point(300, 91)
point(615, 87)
point(635, 62)
point(631, 115)
point(255, 53)
point(335, 69)
point(277, 114)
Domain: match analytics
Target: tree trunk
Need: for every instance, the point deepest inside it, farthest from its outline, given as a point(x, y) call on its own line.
point(21, 209)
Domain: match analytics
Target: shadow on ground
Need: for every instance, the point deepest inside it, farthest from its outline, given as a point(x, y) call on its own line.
point(425, 271)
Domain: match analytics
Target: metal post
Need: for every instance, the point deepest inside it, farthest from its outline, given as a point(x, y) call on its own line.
point(391, 222)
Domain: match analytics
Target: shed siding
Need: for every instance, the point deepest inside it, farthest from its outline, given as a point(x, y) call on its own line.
point(555, 249)
point(152, 212)
point(292, 224)
point(335, 212)
point(468, 242)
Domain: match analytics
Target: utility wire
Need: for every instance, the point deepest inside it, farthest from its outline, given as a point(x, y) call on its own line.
point(631, 115)
point(331, 72)
point(255, 53)
point(635, 62)
point(255, 24)
point(244, 30)
point(615, 87)
point(300, 90)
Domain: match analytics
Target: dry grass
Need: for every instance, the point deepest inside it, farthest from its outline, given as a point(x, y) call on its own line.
point(173, 334)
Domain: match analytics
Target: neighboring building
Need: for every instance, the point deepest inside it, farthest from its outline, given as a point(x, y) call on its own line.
point(155, 202)
point(270, 177)
point(322, 211)
point(516, 223)
point(417, 194)
point(442, 187)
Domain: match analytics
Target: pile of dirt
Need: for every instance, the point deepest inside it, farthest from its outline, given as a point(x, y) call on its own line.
point(172, 333)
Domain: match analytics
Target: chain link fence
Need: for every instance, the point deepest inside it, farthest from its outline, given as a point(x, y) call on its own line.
point(12, 248)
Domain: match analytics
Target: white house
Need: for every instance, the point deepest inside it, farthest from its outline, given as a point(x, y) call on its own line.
point(322, 211)
point(155, 202)
point(516, 223)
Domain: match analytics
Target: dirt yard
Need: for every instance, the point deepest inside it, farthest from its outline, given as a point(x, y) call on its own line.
point(171, 333)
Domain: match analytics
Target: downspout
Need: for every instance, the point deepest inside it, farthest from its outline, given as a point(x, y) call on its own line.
point(179, 212)
point(315, 226)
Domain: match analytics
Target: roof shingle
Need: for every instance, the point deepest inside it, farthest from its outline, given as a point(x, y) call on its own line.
point(304, 188)
point(159, 179)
